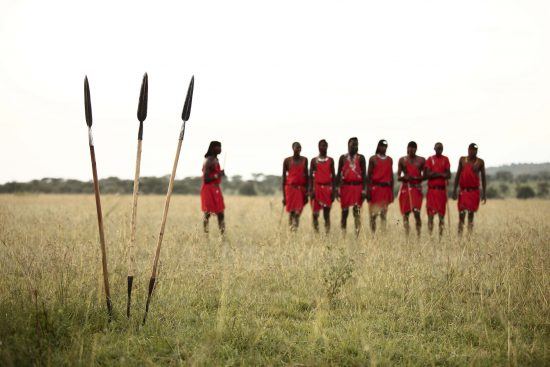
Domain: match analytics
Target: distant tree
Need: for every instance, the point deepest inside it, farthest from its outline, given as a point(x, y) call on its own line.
point(504, 189)
point(492, 193)
point(248, 189)
point(525, 192)
point(504, 176)
point(542, 189)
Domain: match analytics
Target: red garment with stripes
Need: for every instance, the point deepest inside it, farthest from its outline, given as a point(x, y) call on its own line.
point(380, 186)
point(436, 197)
point(295, 185)
point(322, 184)
point(468, 197)
point(413, 187)
point(352, 179)
point(211, 193)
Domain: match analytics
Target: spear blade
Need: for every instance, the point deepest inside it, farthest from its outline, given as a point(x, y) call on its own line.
point(87, 102)
point(188, 100)
point(143, 96)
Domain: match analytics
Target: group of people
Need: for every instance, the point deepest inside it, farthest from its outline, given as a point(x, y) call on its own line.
point(354, 181)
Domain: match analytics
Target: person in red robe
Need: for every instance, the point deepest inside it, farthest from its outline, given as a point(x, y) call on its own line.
point(352, 177)
point(437, 171)
point(211, 192)
point(380, 188)
point(322, 185)
point(468, 174)
point(409, 172)
point(295, 180)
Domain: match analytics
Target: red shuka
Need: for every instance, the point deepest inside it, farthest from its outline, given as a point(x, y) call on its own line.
point(322, 184)
point(468, 197)
point(295, 185)
point(436, 197)
point(380, 186)
point(211, 193)
point(413, 187)
point(352, 182)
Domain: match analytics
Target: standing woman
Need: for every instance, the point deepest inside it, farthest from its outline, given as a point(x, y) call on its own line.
point(211, 192)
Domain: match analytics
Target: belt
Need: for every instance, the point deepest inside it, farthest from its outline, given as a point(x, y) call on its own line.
point(323, 184)
point(437, 187)
point(416, 186)
point(382, 184)
point(469, 188)
point(351, 183)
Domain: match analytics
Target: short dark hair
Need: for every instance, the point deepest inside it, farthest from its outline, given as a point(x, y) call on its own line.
point(412, 144)
point(322, 141)
point(352, 139)
point(472, 146)
point(213, 144)
point(296, 143)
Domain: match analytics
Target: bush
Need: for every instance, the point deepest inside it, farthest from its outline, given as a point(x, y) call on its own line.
point(248, 189)
point(492, 193)
point(525, 192)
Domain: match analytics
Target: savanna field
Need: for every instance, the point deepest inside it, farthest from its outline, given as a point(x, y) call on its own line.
point(264, 296)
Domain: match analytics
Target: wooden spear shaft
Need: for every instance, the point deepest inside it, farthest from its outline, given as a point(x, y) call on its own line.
point(131, 258)
point(100, 225)
point(163, 223)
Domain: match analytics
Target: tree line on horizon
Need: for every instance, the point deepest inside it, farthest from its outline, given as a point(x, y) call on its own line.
point(502, 184)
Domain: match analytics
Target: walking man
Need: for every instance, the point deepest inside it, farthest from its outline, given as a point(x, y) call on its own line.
point(322, 185)
point(380, 188)
point(469, 170)
point(352, 178)
point(211, 192)
point(409, 172)
point(437, 171)
point(295, 178)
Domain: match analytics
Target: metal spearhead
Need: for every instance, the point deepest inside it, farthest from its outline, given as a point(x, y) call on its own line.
point(87, 102)
point(143, 94)
point(188, 100)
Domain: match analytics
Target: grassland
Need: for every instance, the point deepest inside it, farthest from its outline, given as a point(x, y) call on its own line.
point(265, 296)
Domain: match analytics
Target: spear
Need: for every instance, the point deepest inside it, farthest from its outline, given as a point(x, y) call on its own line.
point(141, 115)
point(88, 110)
point(184, 116)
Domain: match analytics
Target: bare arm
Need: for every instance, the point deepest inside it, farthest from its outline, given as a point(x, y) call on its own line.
point(422, 169)
point(333, 178)
point(370, 172)
point(457, 177)
point(285, 168)
point(483, 181)
point(306, 175)
point(208, 168)
point(340, 167)
point(312, 169)
point(363, 164)
point(401, 174)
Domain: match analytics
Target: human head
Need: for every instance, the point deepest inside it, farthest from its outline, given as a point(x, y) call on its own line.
point(323, 146)
point(438, 147)
point(214, 149)
point(353, 145)
point(411, 148)
point(472, 150)
point(296, 148)
point(382, 147)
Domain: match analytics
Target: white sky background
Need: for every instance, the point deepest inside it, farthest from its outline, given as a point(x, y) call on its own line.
point(268, 74)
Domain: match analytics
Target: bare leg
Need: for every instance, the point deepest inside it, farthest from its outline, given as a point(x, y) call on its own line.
point(418, 222)
point(291, 219)
point(326, 216)
point(406, 223)
point(373, 222)
point(205, 222)
point(383, 221)
point(431, 224)
point(296, 220)
point(357, 219)
point(461, 218)
point(221, 222)
point(441, 225)
point(315, 217)
point(470, 222)
point(344, 221)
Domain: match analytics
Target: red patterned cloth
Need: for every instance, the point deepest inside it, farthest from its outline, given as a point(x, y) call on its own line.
point(436, 197)
point(468, 197)
point(381, 190)
point(211, 193)
point(295, 185)
point(410, 191)
point(352, 182)
point(322, 183)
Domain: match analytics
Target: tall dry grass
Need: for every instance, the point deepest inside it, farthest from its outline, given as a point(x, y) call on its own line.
point(265, 296)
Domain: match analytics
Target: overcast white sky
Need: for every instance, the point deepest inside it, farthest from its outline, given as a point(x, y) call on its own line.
point(267, 74)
